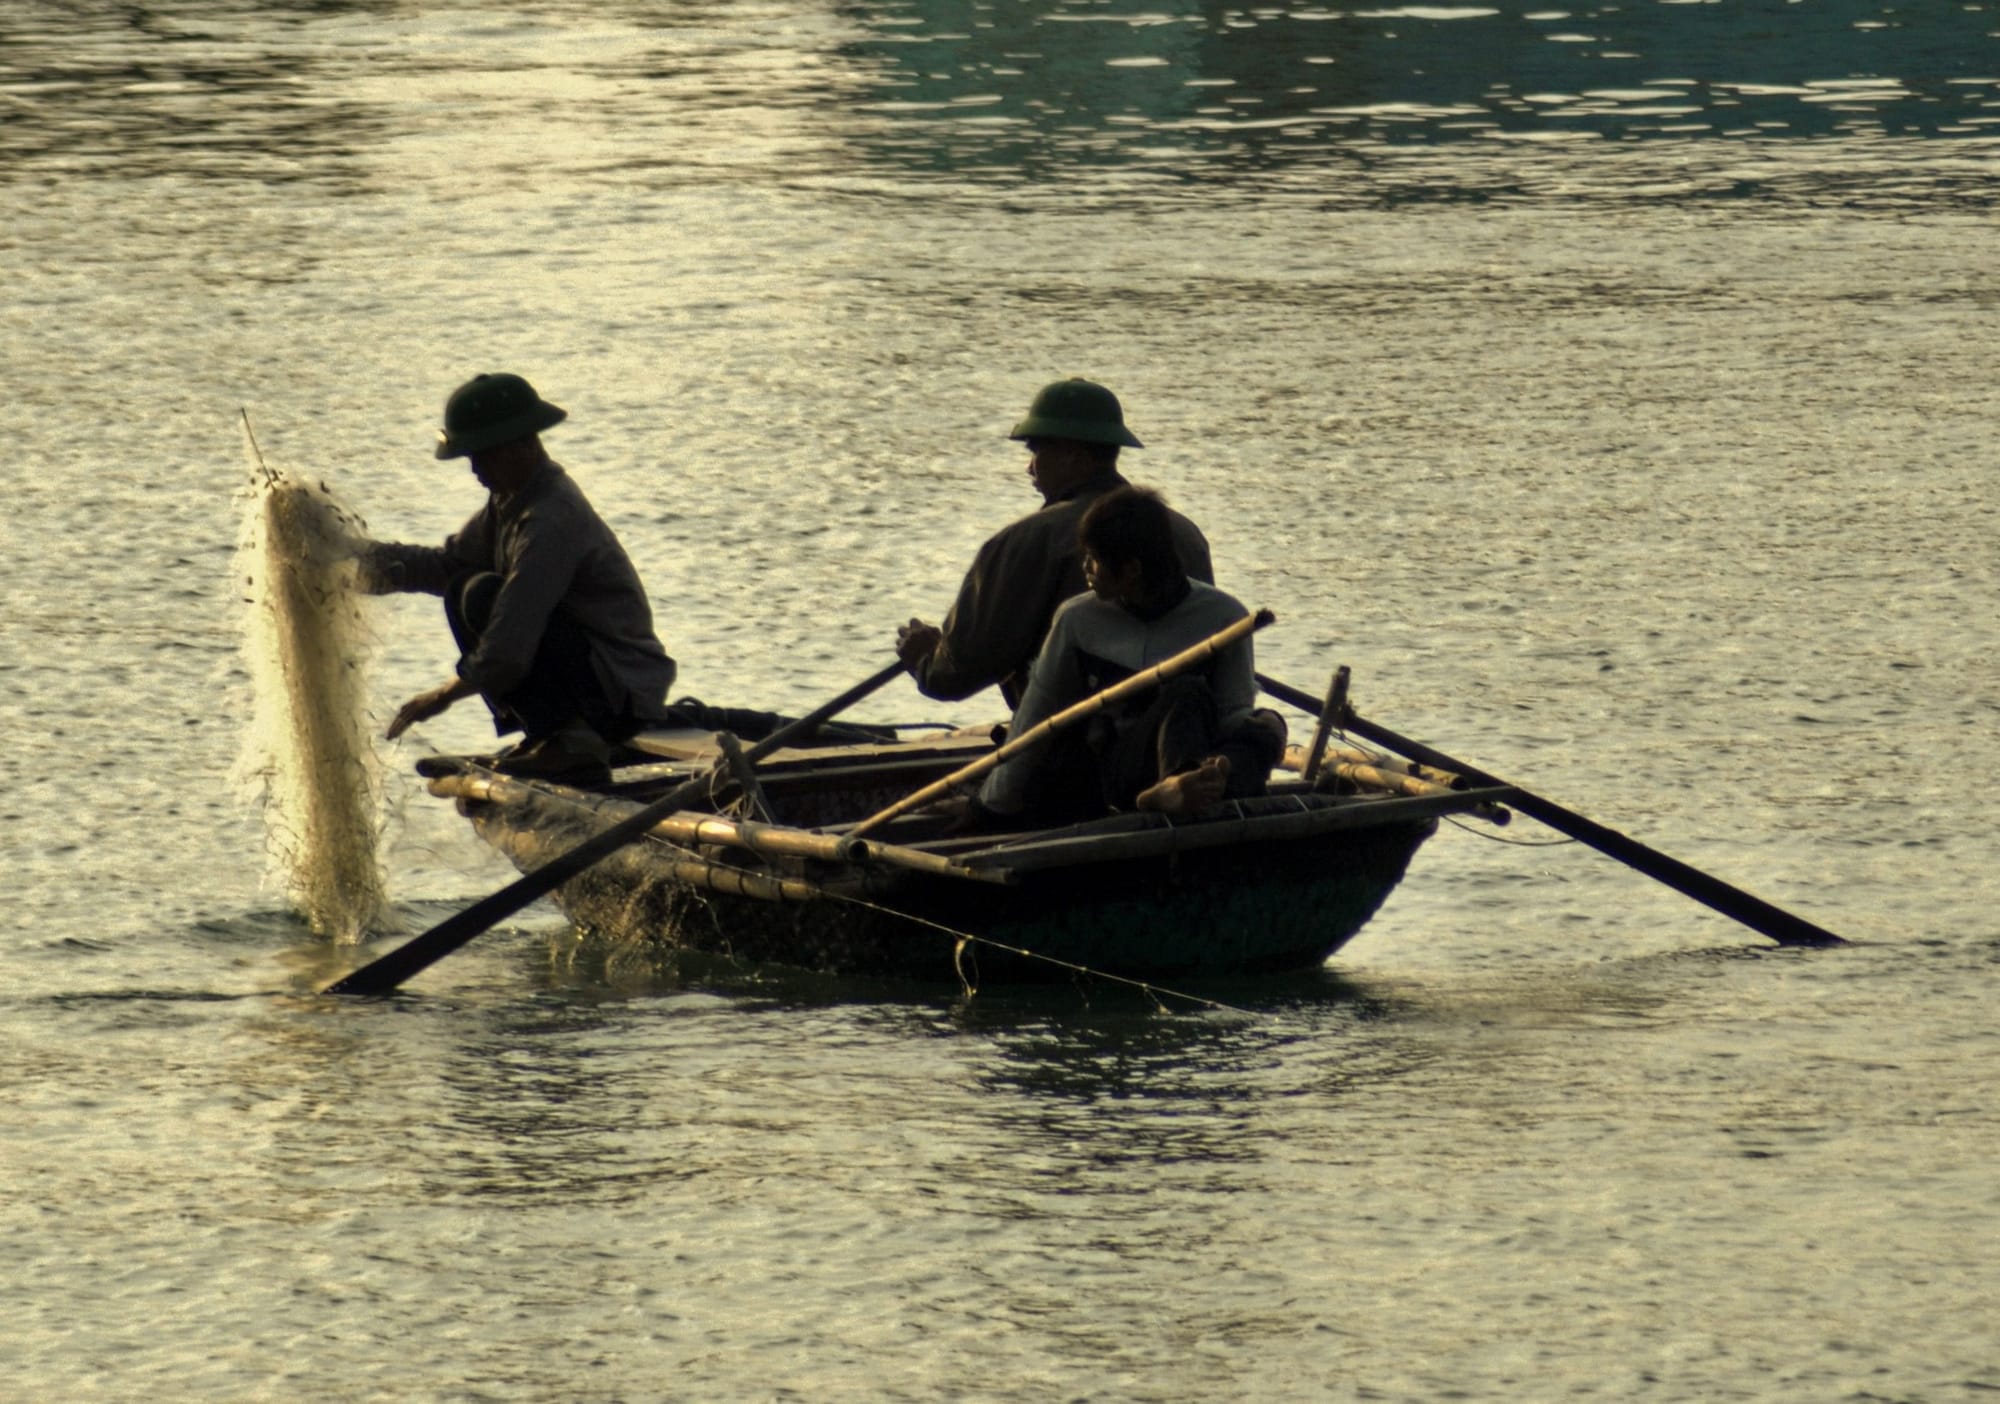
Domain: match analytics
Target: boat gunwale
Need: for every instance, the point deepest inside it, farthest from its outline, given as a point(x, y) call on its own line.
point(1005, 858)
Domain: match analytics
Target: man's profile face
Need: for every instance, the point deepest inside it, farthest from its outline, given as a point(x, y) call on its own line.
point(505, 467)
point(1057, 465)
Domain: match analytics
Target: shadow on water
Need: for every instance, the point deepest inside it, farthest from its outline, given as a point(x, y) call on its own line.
point(133, 89)
point(1206, 92)
point(1371, 106)
point(587, 1071)
point(572, 1072)
point(1133, 1075)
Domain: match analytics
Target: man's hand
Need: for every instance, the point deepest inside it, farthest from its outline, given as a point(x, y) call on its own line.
point(916, 641)
point(426, 705)
point(964, 815)
point(374, 572)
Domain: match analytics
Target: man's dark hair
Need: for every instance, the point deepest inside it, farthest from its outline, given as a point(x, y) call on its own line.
point(1132, 524)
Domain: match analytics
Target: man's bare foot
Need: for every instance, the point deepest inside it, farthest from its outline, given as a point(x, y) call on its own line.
point(1188, 791)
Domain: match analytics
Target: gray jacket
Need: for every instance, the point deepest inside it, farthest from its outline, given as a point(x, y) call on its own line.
point(1094, 644)
point(549, 548)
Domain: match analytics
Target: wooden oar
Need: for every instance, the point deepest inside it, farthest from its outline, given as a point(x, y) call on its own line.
point(386, 973)
point(1069, 716)
point(1733, 902)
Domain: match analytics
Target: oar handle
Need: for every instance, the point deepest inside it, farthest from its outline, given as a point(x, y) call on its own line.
point(1711, 891)
point(386, 973)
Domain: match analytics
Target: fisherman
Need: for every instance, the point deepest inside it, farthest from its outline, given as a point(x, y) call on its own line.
point(1188, 743)
point(1073, 432)
point(552, 624)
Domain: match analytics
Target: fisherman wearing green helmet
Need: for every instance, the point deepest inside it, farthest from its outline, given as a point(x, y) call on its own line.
point(553, 626)
point(1073, 431)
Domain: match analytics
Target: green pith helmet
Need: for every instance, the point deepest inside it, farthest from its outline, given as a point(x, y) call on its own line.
point(1076, 409)
point(490, 410)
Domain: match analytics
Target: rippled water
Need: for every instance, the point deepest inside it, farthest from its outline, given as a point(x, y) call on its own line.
point(1609, 386)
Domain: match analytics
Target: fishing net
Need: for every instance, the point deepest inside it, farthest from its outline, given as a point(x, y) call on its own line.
point(309, 755)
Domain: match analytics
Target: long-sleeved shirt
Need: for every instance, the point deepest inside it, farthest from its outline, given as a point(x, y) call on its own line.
point(549, 547)
point(1010, 595)
point(1094, 644)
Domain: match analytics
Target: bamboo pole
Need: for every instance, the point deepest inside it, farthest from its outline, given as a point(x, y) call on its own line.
point(737, 882)
point(1397, 777)
point(1069, 716)
point(1375, 778)
point(916, 860)
point(693, 829)
point(777, 840)
point(1355, 755)
point(1370, 771)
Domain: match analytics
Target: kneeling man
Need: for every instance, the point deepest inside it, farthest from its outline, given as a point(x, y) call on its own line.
point(1193, 741)
point(553, 627)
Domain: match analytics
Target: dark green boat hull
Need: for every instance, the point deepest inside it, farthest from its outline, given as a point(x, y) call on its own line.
point(1251, 908)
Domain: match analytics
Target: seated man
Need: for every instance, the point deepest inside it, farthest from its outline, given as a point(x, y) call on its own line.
point(1191, 742)
point(1073, 431)
point(554, 630)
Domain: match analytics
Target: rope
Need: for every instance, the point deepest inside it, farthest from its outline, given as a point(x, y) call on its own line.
point(971, 939)
point(967, 938)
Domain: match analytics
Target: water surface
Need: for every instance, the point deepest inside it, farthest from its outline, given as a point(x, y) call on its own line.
point(1608, 386)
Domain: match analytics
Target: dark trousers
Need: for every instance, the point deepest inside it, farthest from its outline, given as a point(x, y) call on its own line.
point(561, 688)
point(1176, 731)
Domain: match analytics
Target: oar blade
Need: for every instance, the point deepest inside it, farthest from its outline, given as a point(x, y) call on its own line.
point(384, 974)
point(1784, 927)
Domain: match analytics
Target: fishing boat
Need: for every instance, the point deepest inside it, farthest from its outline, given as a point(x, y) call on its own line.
point(785, 853)
point(790, 860)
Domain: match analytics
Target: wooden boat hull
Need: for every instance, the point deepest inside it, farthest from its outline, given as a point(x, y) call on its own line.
point(1138, 897)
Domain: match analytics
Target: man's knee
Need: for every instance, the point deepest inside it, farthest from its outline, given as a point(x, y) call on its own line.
point(1254, 747)
point(468, 604)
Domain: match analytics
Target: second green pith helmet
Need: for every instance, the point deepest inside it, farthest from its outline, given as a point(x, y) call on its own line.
point(1076, 409)
point(490, 410)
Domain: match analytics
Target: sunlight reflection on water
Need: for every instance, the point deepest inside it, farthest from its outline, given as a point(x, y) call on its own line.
point(1604, 384)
